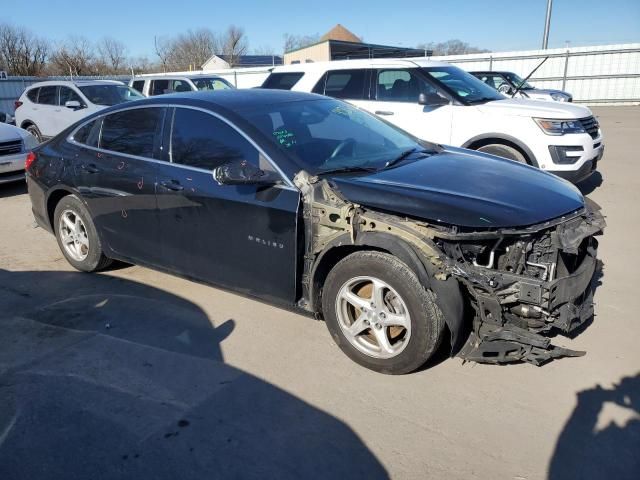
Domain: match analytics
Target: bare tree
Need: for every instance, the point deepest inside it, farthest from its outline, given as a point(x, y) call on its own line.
point(142, 65)
point(451, 47)
point(234, 44)
point(293, 42)
point(163, 50)
point(188, 51)
point(21, 52)
point(264, 50)
point(75, 57)
point(112, 54)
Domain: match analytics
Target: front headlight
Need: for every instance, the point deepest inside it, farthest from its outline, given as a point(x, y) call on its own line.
point(30, 142)
point(559, 97)
point(559, 127)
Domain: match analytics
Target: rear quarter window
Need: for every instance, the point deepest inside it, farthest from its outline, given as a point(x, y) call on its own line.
point(138, 85)
point(282, 81)
point(33, 94)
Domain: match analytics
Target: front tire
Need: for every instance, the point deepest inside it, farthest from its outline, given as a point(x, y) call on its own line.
point(503, 151)
point(379, 314)
point(77, 236)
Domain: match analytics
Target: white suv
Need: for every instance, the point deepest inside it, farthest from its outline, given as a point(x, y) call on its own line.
point(46, 108)
point(441, 103)
point(151, 85)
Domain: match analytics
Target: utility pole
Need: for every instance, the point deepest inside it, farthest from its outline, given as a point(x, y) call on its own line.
point(547, 24)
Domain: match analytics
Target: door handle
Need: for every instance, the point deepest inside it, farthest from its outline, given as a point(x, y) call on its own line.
point(172, 185)
point(383, 112)
point(90, 168)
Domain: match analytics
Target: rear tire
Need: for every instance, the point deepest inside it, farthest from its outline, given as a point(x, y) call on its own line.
point(77, 236)
point(395, 327)
point(33, 130)
point(503, 151)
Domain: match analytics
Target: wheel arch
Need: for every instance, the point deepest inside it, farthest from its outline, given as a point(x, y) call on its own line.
point(54, 198)
point(448, 293)
point(501, 139)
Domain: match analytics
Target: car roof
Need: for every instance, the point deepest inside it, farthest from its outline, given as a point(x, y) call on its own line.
point(77, 83)
point(412, 62)
point(168, 75)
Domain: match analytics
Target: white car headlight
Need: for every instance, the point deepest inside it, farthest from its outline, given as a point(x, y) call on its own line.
point(559, 127)
point(559, 97)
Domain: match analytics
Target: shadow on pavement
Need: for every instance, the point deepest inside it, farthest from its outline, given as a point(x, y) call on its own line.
point(12, 189)
point(601, 439)
point(105, 378)
point(590, 184)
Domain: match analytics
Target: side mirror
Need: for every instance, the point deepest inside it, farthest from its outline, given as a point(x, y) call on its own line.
point(74, 104)
point(244, 173)
point(432, 100)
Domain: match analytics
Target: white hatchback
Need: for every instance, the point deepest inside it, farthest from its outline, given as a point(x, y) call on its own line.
point(46, 108)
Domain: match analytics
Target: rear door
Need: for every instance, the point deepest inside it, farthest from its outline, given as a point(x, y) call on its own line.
point(241, 237)
point(45, 116)
point(117, 179)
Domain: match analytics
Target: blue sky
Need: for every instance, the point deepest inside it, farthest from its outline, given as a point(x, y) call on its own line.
point(505, 25)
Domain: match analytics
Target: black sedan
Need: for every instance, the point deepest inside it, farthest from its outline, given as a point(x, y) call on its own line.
point(309, 202)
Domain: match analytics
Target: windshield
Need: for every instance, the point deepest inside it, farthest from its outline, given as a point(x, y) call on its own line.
point(329, 135)
point(463, 85)
point(213, 83)
point(516, 80)
point(109, 94)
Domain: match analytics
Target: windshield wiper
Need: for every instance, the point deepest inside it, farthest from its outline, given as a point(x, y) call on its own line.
point(404, 155)
point(482, 100)
point(347, 170)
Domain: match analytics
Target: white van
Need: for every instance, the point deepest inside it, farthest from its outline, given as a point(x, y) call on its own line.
point(441, 103)
point(152, 85)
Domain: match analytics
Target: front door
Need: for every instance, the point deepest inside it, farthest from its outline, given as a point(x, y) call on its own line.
point(67, 116)
point(240, 237)
point(394, 98)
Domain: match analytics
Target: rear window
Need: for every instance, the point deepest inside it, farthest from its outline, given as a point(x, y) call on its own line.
point(33, 94)
point(132, 131)
point(47, 95)
point(282, 81)
point(348, 84)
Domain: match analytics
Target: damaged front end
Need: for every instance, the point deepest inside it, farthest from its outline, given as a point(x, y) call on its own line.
point(522, 283)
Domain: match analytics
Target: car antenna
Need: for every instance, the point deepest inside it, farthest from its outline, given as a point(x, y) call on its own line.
point(528, 77)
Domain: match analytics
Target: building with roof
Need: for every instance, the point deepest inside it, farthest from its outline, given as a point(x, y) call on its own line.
point(341, 44)
point(217, 62)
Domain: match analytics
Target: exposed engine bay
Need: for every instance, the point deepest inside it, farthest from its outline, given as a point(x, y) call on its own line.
point(522, 284)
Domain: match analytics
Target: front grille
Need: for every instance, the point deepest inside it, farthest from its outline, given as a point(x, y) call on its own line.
point(9, 148)
point(590, 124)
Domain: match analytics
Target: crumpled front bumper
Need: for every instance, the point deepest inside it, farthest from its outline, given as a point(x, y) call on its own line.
point(515, 314)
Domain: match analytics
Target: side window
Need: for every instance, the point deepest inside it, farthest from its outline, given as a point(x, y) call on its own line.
point(180, 86)
point(89, 133)
point(132, 131)
point(67, 94)
point(282, 81)
point(33, 95)
point(159, 87)
point(401, 86)
point(204, 141)
point(138, 85)
point(319, 88)
point(48, 95)
point(349, 84)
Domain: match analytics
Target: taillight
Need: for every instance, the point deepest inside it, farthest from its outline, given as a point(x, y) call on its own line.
point(31, 157)
point(17, 104)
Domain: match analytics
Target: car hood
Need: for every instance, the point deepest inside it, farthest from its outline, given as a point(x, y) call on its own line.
point(9, 133)
point(534, 108)
point(464, 188)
